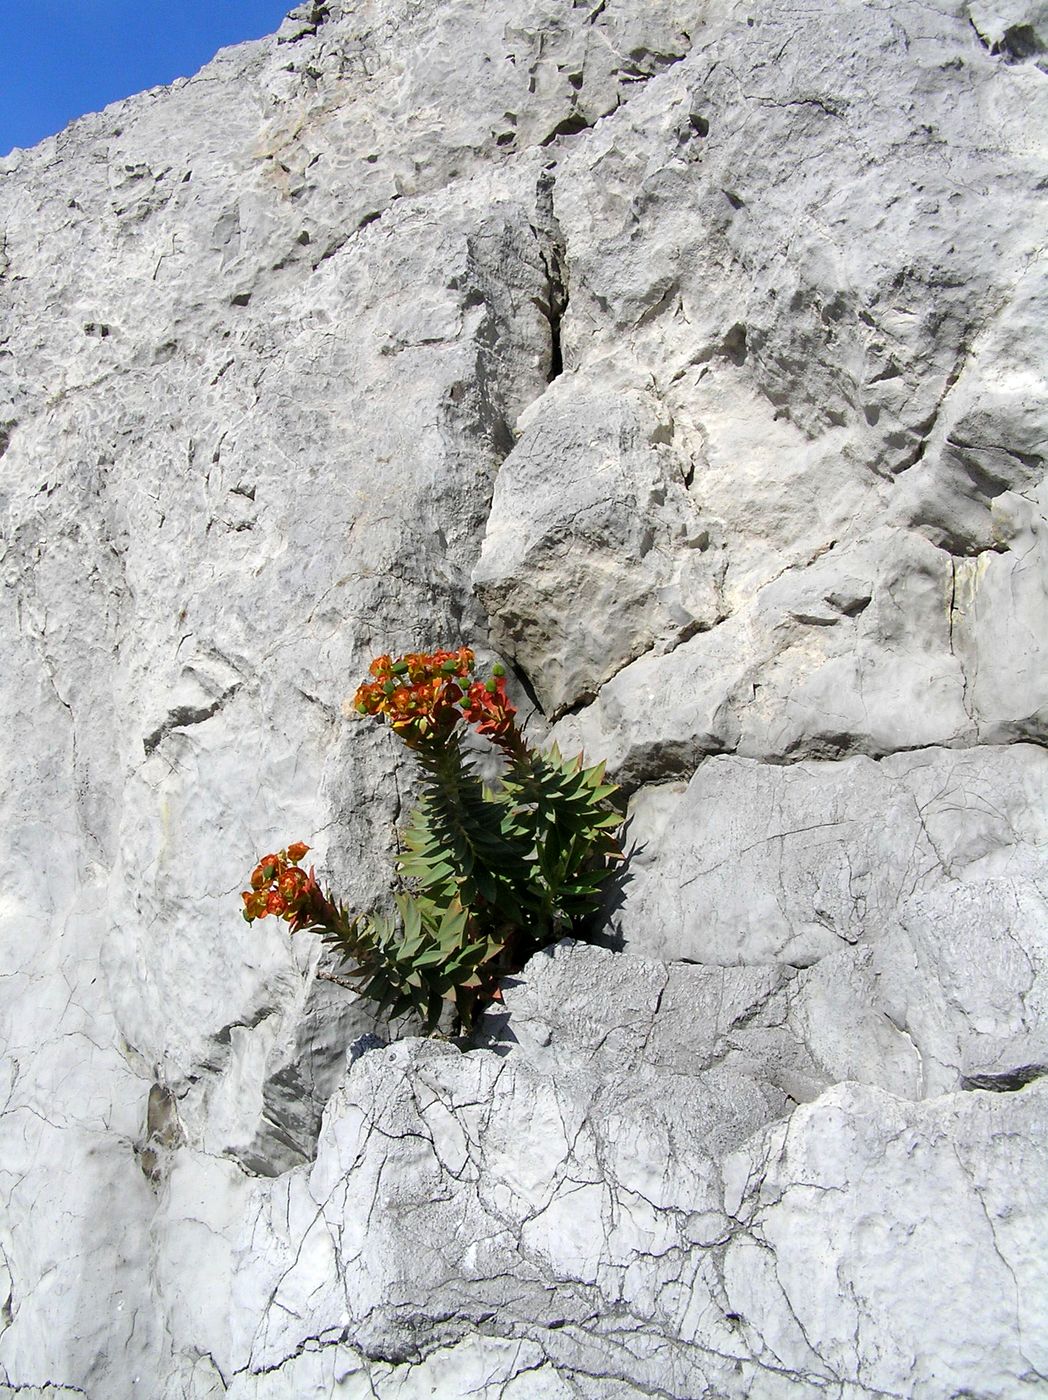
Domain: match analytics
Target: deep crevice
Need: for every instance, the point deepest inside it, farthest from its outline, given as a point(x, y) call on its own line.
point(1017, 43)
point(680, 760)
point(524, 681)
point(183, 716)
point(926, 428)
point(983, 42)
point(310, 17)
point(1005, 1081)
point(574, 124)
point(552, 251)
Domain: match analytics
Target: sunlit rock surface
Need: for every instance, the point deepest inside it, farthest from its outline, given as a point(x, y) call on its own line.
point(689, 355)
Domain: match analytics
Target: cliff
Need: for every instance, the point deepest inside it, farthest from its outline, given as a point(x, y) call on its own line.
point(690, 356)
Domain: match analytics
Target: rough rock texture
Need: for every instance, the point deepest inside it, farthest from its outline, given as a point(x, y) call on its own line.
point(690, 355)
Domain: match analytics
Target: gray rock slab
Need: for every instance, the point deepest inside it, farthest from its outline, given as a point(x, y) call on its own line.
point(883, 645)
point(618, 529)
point(756, 862)
point(911, 893)
point(641, 1236)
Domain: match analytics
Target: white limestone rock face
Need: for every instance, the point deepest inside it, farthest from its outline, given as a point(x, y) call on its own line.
point(622, 533)
point(690, 355)
point(613, 1204)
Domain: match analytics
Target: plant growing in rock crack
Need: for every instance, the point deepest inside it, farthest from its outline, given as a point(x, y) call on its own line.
point(489, 876)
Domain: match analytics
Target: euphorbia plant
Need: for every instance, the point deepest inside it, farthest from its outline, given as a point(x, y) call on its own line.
point(489, 876)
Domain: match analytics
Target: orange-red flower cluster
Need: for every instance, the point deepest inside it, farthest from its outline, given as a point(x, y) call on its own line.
point(490, 710)
point(419, 693)
point(424, 695)
point(279, 886)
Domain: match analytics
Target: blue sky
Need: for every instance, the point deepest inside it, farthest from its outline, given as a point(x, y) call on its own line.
point(62, 58)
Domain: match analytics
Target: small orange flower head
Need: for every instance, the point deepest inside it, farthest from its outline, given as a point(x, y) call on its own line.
point(491, 712)
point(418, 694)
point(281, 887)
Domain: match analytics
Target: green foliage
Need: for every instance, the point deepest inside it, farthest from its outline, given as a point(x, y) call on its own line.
point(461, 841)
point(415, 960)
point(487, 877)
point(490, 877)
point(562, 808)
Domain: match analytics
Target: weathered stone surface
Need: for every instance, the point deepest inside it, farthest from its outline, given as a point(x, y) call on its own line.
point(884, 645)
point(691, 355)
point(563, 1200)
point(911, 891)
point(755, 862)
point(620, 532)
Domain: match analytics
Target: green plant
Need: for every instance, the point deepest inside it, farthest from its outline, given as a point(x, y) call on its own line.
point(489, 876)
